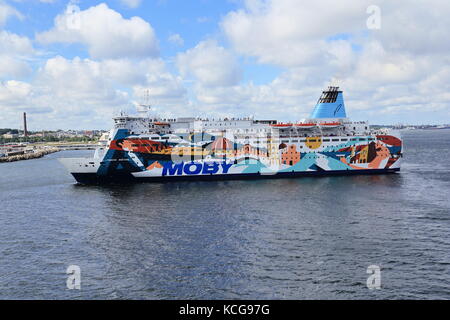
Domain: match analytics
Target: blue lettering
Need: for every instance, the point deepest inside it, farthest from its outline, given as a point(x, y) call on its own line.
point(226, 167)
point(173, 168)
point(193, 168)
point(211, 167)
point(198, 168)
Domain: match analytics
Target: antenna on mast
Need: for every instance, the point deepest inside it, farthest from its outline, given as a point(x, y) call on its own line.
point(145, 106)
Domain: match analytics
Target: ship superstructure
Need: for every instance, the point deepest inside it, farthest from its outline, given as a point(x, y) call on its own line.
point(148, 148)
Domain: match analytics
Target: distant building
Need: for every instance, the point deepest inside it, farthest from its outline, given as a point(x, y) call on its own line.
point(10, 135)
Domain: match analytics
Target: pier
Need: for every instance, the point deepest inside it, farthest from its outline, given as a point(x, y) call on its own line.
point(65, 147)
point(22, 155)
point(11, 153)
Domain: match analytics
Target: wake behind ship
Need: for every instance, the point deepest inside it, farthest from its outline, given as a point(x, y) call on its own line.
point(148, 148)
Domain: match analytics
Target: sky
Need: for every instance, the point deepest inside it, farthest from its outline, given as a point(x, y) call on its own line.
point(76, 64)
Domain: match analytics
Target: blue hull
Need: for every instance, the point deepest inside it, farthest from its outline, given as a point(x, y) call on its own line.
point(93, 178)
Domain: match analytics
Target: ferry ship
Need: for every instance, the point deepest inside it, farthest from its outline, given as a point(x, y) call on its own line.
point(149, 148)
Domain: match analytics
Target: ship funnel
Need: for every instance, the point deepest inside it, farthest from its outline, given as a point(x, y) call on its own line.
point(330, 105)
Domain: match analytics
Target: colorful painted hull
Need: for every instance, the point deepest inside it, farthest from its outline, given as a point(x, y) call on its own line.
point(131, 159)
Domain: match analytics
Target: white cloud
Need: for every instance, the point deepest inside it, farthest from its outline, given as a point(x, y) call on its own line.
point(203, 19)
point(288, 32)
point(398, 73)
point(287, 97)
point(12, 67)
point(14, 52)
point(6, 12)
point(84, 93)
point(417, 27)
point(131, 3)
point(11, 43)
point(176, 39)
point(385, 73)
point(78, 79)
point(13, 93)
point(105, 33)
point(210, 64)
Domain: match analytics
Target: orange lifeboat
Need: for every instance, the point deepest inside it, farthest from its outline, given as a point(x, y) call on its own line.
point(282, 125)
point(305, 125)
point(330, 124)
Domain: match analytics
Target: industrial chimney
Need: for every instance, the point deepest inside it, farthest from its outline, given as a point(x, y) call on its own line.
point(25, 132)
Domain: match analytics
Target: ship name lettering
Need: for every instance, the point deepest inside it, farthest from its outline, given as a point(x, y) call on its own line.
point(195, 168)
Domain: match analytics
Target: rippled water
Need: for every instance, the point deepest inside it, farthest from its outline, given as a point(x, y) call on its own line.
point(303, 238)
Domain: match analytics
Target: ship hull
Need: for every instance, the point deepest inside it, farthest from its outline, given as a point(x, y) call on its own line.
point(95, 179)
point(284, 159)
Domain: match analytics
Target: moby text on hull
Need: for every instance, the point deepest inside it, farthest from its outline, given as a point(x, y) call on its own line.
point(148, 148)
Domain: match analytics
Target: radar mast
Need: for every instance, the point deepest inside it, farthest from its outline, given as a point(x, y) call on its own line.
point(145, 107)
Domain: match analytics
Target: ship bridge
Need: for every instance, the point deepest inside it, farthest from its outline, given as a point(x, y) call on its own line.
point(330, 105)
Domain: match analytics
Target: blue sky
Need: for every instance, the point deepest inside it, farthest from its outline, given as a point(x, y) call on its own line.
point(266, 58)
point(193, 20)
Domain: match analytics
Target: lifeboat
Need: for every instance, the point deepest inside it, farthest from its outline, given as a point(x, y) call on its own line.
point(305, 125)
point(159, 123)
point(329, 124)
point(282, 125)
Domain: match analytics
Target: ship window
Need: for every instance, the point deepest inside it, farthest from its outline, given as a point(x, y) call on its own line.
point(334, 139)
point(344, 139)
point(326, 140)
point(362, 139)
point(353, 139)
